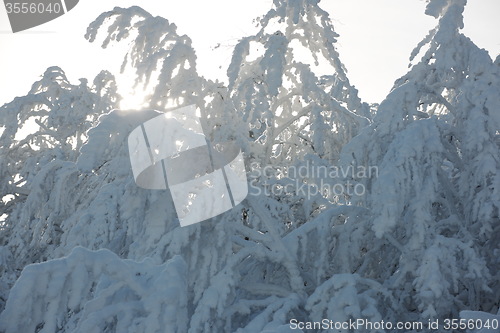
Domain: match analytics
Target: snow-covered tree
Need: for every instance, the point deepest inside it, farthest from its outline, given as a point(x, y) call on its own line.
point(289, 85)
point(294, 105)
point(50, 122)
point(164, 64)
point(430, 140)
point(422, 242)
point(46, 126)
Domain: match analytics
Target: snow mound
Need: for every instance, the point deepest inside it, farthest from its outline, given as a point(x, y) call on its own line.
point(96, 291)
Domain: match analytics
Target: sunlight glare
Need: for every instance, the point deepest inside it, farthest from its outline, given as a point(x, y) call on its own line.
point(132, 98)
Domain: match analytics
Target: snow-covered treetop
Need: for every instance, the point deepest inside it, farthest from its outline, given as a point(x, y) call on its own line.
point(54, 102)
point(438, 8)
point(450, 14)
point(306, 22)
point(282, 76)
point(164, 61)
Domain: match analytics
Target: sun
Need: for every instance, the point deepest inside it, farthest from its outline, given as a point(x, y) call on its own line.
point(132, 98)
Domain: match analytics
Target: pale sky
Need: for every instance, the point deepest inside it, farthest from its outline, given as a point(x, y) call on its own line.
point(376, 38)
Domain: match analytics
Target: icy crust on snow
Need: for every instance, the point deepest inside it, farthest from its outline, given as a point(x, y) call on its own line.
point(96, 291)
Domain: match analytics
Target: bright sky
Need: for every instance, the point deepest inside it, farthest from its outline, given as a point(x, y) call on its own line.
point(376, 38)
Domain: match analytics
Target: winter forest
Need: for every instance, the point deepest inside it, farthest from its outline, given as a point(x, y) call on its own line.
point(383, 212)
